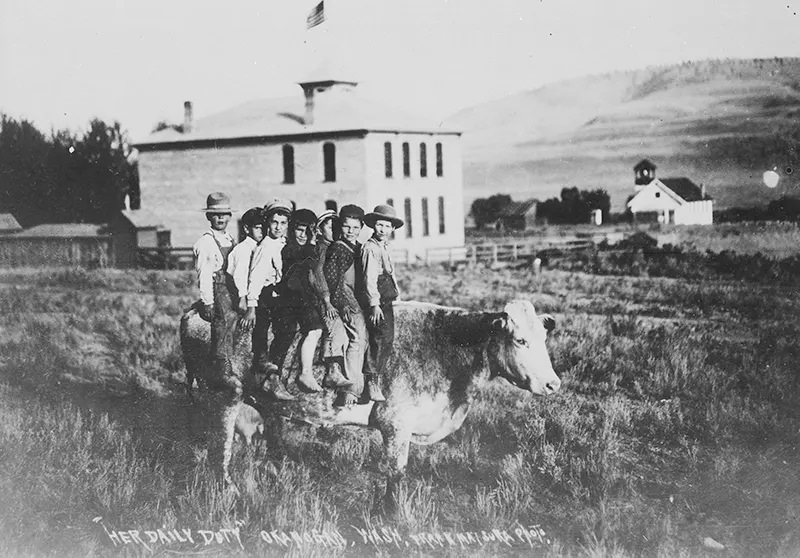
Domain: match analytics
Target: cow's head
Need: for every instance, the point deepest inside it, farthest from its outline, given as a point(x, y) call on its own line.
point(517, 350)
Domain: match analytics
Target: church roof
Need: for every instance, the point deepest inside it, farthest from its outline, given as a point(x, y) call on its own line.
point(685, 188)
point(334, 112)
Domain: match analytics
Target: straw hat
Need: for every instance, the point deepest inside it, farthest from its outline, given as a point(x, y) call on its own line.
point(383, 213)
point(324, 216)
point(218, 202)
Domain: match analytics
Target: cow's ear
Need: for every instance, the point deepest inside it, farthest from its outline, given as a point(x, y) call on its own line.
point(548, 321)
point(499, 322)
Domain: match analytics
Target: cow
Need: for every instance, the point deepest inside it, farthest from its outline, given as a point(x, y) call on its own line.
point(430, 380)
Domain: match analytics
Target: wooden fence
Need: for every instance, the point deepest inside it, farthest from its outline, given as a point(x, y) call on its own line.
point(493, 253)
point(486, 252)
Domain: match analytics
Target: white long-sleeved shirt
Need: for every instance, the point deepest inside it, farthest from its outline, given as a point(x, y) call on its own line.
point(239, 264)
point(208, 259)
point(265, 267)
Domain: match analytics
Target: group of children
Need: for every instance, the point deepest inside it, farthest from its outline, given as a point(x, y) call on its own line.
point(305, 274)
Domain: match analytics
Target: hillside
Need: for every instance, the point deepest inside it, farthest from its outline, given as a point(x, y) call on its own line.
point(721, 123)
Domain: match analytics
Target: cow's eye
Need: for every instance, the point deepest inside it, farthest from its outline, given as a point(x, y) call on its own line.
point(522, 342)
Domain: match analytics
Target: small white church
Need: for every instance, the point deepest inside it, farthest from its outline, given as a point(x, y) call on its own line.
point(669, 201)
point(321, 149)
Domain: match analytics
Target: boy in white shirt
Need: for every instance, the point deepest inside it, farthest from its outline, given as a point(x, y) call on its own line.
point(211, 258)
point(265, 273)
point(253, 224)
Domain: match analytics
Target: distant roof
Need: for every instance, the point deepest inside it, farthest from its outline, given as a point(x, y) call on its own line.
point(64, 230)
point(684, 188)
point(8, 223)
point(644, 164)
point(143, 219)
point(334, 112)
point(517, 209)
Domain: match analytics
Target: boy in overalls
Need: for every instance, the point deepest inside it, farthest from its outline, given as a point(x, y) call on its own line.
point(378, 291)
point(216, 286)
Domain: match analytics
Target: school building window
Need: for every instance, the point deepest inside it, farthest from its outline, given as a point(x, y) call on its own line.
point(390, 202)
point(441, 215)
point(288, 164)
point(406, 159)
point(423, 160)
point(439, 162)
point(408, 226)
point(331, 204)
point(387, 158)
point(425, 228)
point(329, 157)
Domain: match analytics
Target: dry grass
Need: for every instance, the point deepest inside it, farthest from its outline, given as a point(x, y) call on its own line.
point(678, 421)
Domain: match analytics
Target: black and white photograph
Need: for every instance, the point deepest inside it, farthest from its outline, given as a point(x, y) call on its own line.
point(424, 278)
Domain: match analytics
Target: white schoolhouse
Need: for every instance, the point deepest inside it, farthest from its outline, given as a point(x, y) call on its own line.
point(324, 149)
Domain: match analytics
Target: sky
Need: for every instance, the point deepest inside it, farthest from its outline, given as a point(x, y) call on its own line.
point(63, 62)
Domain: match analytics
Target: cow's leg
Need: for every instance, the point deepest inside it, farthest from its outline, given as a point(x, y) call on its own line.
point(396, 441)
point(222, 408)
point(229, 431)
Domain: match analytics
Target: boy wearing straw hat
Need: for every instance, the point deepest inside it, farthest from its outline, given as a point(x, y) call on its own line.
point(378, 290)
point(216, 286)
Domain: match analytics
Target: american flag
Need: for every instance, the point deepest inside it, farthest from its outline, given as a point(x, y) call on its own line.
point(316, 16)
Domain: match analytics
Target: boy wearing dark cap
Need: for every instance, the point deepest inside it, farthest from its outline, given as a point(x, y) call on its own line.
point(239, 261)
point(340, 274)
point(292, 313)
point(211, 260)
point(378, 290)
point(266, 268)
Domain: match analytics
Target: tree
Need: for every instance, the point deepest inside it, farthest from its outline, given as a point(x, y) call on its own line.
point(785, 208)
point(575, 206)
point(24, 176)
point(488, 210)
point(67, 177)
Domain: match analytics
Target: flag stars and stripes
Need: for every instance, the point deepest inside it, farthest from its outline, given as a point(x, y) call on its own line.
point(316, 16)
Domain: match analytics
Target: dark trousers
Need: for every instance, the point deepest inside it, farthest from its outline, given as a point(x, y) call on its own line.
point(223, 324)
point(261, 328)
point(285, 326)
point(381, 341)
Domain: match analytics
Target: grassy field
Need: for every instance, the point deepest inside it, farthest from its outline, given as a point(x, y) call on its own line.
point(773, 239)
point(676, 429)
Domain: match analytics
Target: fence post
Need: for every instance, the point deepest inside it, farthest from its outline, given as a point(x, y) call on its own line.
point(514, 251)
point(494, 254)
point(427, 257)
point(450, 256)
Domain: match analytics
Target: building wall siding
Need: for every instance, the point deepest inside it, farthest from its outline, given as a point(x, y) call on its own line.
point(174, 184)
point(415, 187)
